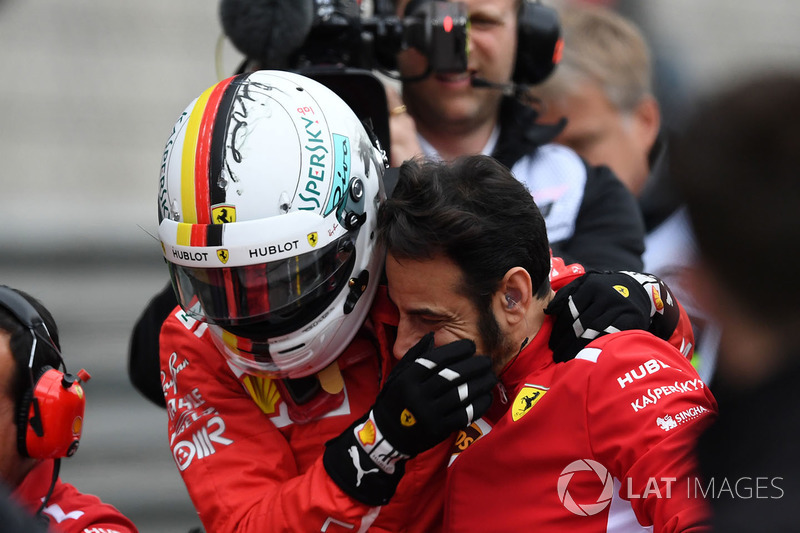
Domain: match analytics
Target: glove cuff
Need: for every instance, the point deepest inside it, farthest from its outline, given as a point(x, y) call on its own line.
point(364, 464)
point(374, 443)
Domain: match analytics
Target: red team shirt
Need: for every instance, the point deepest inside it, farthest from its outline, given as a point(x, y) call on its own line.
point(603, 442)
point(67, 510)
point(248, 467)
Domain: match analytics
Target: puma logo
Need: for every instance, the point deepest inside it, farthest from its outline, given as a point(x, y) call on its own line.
point(360, 472)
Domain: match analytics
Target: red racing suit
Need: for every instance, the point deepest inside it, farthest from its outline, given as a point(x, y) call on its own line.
point(67, 510)
point(603, 442)
point(249, 467)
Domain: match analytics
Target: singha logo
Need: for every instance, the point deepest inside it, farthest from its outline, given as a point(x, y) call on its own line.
point(666, 423)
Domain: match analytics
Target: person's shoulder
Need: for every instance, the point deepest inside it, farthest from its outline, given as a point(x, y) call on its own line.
point(179, 323)
point(76, 511)
point(552, 169)
point(626, 350)
point(186, 346)
point(637, 377)
point(559, 157)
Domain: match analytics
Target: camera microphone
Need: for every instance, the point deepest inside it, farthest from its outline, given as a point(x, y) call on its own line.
point(508, 89)
point(268, 31)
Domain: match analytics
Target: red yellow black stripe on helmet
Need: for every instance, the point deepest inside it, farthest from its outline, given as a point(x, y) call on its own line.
point(199, 234)
point(203, 153)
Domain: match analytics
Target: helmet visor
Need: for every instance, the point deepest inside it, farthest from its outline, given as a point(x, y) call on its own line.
point(277, 296)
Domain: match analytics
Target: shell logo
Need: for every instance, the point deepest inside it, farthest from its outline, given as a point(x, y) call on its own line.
point(77, 426)
point(367, 434)
point(659, 303)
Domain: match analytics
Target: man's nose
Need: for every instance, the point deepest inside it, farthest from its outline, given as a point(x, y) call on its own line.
point(403, 343)
point(401, 346)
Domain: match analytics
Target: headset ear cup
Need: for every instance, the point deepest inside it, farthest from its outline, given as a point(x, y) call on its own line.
point(24, 414)
point(22, 422)
point(538, 43)
point(50, 419)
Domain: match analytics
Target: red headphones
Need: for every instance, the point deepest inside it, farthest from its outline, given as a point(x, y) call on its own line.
point(50, 414)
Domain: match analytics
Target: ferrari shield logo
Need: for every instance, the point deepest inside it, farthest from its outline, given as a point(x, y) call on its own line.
point(407, 419)
point(313, 238)
point(526, 399)
point(222, 255)
point(622, 289)
point(223, 214)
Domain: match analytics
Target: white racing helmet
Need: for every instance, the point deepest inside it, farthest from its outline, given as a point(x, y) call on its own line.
point(269, 189)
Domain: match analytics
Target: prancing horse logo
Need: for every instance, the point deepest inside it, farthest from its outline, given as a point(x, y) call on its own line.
point(223, 214)
point(526, 399)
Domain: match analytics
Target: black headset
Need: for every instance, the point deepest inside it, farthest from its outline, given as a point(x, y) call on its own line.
point(50, 413)
point(539, 43)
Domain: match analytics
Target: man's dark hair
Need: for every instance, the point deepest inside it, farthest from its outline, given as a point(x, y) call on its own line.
point(20, 341)
point(738, 167)
point(475, 212)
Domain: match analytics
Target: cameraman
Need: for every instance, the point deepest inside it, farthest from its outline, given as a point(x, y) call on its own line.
point(591, 217)
point(513, 44)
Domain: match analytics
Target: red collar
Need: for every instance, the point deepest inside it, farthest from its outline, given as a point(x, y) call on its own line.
point(534, 357)
point(35, 485)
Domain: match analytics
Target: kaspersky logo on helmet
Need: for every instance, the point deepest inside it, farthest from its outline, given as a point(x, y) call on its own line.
point(317, 158)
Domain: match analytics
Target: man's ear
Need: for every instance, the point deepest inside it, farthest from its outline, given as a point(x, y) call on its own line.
point(514, 295)
point(648, 121)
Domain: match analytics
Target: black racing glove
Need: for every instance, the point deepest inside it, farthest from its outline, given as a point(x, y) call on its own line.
point(431, 393)
point(598, 303)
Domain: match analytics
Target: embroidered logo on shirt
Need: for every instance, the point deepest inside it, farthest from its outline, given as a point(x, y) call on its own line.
point(264, 393)
point(526, 399)
point(467, 437)
point(668, 422)
point(57, 512)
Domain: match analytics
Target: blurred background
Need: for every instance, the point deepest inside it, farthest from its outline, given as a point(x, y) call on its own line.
point(89, 92)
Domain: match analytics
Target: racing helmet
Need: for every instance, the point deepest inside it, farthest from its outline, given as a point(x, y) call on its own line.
point(267, 207)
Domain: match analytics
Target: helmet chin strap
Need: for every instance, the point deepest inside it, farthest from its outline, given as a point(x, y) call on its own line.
point(313, 396)
point(331, 379)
